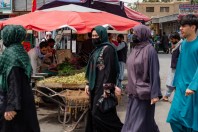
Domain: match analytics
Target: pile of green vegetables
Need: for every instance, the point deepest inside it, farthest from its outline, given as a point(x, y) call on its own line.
point(67, 69)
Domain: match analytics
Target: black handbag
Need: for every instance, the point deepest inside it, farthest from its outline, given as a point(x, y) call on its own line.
point(106, 104)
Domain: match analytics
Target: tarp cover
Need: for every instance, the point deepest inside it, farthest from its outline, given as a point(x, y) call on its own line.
point(117, 8)
point(81, 22)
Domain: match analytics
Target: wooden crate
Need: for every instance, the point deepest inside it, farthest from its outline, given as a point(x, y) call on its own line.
point(60, 85)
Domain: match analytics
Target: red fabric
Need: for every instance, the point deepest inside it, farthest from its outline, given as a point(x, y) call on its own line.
point(115, 42)
point(33, 5)
point(53, 51)
point(83, 22)
point(26, 45)
point(136, 15)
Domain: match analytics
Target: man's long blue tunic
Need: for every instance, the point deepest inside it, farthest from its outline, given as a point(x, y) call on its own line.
point(184, 109)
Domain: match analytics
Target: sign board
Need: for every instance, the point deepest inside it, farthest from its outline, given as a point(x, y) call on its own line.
point(117, 32)
point(188, 8)
point(6, 6)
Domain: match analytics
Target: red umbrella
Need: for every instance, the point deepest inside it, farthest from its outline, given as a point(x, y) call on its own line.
point(136, 15)
point(82, 22)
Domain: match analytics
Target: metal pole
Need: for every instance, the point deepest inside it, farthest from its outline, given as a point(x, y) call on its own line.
point(12, 6)
point(26, 5)
point(71, 41)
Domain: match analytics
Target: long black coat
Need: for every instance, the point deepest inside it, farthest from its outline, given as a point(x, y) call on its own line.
point(19, 98)
point(165, 41)
point(98, 121)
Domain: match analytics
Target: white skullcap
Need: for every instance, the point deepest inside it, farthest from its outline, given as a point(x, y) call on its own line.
point(48, 33)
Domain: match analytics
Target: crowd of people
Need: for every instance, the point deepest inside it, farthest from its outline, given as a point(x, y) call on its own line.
point(105, 71)
point(143, 88)
point(159, 42)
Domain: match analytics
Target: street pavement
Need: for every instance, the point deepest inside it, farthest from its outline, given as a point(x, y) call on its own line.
point(47, 114)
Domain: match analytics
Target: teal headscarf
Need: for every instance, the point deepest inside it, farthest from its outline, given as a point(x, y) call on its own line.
point(91, 66)
point(14, 54)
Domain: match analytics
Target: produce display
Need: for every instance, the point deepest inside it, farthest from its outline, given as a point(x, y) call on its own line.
point(74, 79)
point(70, 75)
point(70, 67)
point(69, 86)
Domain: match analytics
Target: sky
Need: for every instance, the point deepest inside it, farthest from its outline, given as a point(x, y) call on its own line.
point(131, 1)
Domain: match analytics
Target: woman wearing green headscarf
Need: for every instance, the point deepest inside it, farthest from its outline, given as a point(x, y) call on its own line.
point(17, 108)
point(102, 70)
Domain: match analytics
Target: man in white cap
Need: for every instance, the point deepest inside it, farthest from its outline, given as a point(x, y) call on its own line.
point(48, 35)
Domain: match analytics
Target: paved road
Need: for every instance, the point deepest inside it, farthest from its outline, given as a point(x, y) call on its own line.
point(48, 115)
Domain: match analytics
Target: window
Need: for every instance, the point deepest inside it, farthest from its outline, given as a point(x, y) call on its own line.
point(164, 9)
point(149, 9)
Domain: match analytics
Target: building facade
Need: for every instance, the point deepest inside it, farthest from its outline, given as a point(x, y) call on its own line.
point(159, 9)
point(12, 8)
point(26, 5)
point(163, 15)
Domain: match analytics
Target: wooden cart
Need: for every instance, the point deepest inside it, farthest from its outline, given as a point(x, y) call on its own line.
point(72, 101)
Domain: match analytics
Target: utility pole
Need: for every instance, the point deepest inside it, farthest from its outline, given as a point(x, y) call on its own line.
point(13, 5)
point(26, 5)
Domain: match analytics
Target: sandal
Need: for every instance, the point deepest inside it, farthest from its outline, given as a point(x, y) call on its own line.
point(165, 99)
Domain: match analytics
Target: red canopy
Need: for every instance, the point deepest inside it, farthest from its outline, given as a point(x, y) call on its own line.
point(82, 22)
point(135, 15)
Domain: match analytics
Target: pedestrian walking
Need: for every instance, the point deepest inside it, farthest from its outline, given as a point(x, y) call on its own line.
point(17, 107)
point(122, 57)
point(165, 43)
point(129, 39)
point(176, 41)
point(102, 72)
point(143, 84)
point(183, 114)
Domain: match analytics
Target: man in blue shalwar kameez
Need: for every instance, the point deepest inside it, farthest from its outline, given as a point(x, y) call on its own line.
point(183, 114)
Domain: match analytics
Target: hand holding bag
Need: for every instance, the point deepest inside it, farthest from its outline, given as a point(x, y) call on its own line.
point(106, 104)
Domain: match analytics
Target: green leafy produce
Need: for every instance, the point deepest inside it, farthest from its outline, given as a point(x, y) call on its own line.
point(66, 69)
